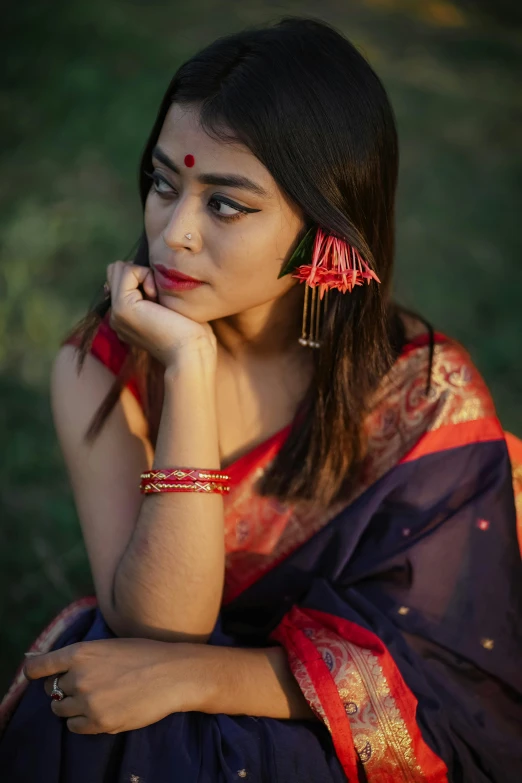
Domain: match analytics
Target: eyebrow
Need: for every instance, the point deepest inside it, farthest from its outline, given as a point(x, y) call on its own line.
point(228, 180)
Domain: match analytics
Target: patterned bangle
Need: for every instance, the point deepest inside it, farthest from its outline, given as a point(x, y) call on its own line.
point(185, 474)
point(148, 488)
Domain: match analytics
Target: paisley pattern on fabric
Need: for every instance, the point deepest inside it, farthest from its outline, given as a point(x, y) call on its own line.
point(378, 709)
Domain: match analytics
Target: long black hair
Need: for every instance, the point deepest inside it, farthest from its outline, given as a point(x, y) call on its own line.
point(308, 105)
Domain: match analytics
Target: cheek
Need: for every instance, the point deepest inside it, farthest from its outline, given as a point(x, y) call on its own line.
point(155, 217)
point(249, 265)
point(250, 281)
point(150, 219)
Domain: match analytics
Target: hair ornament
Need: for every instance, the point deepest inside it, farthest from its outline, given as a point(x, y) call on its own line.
point(323, 262)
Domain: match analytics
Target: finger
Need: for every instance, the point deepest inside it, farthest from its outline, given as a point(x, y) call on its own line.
point(48, 685)
point(132, 276)
point(47, 664)
point(150, 285)
point(81, 725)
point(119, 273)
point(67, 708)
point(65, 682)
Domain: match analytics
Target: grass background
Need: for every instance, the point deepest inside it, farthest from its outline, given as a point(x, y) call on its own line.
point(81, 87)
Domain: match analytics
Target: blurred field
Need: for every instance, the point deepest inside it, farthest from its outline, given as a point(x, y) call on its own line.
point(82, 83)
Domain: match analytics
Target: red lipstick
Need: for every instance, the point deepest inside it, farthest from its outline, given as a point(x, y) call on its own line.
point(175, 281)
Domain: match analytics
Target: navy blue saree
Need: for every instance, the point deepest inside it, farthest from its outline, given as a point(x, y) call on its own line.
point(400, 611)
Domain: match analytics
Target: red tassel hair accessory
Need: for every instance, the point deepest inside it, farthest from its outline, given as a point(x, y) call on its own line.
point(334, 264)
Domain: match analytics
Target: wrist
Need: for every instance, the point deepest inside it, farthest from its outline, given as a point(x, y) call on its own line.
point(199, 355)
point(191, 667)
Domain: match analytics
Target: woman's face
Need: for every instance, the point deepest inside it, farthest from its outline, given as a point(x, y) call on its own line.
point(238, 255)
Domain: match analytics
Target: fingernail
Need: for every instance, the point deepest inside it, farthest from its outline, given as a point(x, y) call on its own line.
point(27, 654)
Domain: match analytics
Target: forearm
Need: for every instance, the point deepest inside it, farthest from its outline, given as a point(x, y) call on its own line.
point(169, 582)
point(259, 682)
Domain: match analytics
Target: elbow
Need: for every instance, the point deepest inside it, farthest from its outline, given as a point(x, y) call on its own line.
point(126, 621)
point(130, 628)
point(119, 626)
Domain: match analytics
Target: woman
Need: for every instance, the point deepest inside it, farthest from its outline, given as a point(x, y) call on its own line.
point(339, 597)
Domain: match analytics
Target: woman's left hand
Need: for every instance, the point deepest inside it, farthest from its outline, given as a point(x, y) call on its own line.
point(115, 685)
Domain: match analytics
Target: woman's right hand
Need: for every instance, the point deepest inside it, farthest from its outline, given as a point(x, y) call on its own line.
point(147, 324)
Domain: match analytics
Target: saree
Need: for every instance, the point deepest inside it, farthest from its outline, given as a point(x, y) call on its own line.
point(399, 609)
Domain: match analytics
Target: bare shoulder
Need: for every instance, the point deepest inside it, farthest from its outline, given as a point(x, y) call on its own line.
point(84, 391)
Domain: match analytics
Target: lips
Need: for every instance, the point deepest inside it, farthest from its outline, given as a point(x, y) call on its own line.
point(173, 274)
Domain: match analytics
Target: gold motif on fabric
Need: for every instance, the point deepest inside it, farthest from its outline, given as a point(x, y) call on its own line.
point(380, 735)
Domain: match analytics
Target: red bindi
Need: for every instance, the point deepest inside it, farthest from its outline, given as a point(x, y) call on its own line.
point(189, 160)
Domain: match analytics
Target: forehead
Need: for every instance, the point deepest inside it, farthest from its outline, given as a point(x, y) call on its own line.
point(181, 135)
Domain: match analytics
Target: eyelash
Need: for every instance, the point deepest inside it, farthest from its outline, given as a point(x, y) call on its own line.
point(155, 177)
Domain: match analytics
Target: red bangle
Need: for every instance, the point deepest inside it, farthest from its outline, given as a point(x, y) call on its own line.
point(148, 488)
point(185, 474)
point(184, 480)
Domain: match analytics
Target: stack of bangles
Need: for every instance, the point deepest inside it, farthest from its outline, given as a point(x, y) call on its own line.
point(184, 480)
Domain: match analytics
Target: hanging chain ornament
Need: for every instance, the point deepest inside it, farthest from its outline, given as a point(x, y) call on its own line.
point(323, 261)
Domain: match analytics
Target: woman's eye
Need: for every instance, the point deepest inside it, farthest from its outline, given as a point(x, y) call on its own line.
point(158, 182)
point(224, 210)
point(221, 213)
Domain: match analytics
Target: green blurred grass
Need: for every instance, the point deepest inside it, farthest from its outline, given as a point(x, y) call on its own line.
point(81, 89)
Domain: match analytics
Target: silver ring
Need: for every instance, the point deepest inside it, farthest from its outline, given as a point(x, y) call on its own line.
point(189, 236)
point(57, 694)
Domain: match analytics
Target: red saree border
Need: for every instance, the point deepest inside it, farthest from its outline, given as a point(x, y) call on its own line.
point(43, 643)
point(451, 436)
point(514, 445)
point(421, 341)
point(332, 712)
point(396, 749)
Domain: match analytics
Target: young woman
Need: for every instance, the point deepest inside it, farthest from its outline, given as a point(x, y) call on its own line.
point(337, 595)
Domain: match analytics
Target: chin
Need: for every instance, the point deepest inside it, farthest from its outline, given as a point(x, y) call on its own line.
point(177, 304)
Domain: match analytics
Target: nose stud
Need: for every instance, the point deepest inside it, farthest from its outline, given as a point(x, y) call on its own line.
point(189, 236)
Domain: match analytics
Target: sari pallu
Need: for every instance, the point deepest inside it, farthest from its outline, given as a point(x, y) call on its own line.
point(400, 612)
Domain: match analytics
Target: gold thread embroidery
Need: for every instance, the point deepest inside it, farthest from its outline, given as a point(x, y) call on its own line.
point(390, 724)
point(380, 735)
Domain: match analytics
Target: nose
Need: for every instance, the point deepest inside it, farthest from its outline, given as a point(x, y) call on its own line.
point(183, 220)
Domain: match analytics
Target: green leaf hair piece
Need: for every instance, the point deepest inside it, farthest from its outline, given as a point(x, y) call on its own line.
point(302, 254)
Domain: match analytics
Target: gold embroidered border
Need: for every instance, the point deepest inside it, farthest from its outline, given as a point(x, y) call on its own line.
point(380, 735)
